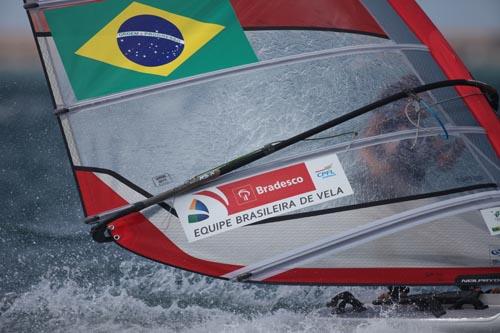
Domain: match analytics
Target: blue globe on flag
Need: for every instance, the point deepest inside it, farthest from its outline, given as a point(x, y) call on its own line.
point(150, 40)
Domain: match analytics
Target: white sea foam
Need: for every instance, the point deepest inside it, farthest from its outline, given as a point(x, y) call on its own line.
point(148, 297)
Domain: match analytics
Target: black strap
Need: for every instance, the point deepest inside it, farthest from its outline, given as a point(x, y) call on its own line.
point(340, 301)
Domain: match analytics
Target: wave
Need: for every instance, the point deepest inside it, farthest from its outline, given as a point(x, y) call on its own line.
point(143, 296)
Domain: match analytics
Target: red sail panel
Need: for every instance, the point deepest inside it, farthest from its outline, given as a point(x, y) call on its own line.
point(97, 197)
point(345, 15)
point(143, 238)
point(139, 235)
point(451, 64)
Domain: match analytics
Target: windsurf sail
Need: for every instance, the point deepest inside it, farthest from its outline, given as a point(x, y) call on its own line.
point(324, 142)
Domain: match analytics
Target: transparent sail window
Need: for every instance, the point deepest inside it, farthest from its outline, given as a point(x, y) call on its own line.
point(270, 44)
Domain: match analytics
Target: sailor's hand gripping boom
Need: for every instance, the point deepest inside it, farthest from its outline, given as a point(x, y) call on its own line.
point(101, 221)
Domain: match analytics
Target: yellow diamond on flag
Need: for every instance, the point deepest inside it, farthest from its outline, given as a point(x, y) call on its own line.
point(149, 40)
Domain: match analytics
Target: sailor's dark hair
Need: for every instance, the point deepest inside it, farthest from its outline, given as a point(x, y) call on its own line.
point(393, 116)
point(406, 82)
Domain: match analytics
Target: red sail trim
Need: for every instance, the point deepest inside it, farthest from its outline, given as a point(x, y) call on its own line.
point(39, 21)
point(137, 234)
point(378, 276)
point(142, 237)
point(97, 197)
point(451, 65)
point(346, 15)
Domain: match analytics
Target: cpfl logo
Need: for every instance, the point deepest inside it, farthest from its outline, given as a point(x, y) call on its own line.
point(325, 172)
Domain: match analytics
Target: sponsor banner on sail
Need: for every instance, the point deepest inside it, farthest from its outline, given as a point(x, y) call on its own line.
point(227, 206)
point(115, 45)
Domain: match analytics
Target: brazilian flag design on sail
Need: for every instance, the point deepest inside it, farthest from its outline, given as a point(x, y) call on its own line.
point(116, 45)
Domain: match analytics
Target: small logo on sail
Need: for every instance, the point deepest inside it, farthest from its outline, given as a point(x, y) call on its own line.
point(325, 172)
point(497, 214)
point(199, 211)
point(244, 194)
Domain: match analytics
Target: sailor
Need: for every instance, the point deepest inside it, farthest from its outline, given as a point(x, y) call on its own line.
point(392, 168)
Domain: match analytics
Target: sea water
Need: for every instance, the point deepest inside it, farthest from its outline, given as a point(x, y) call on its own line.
point(54, 278)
